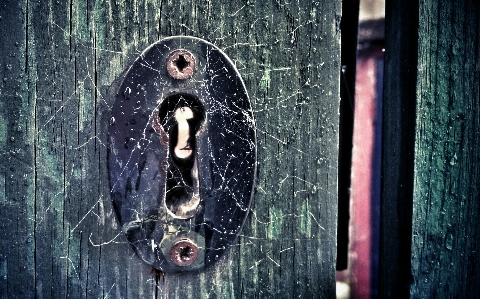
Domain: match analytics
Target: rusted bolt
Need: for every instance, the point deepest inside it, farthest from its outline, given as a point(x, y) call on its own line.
point(180, 64)
point(184, 253)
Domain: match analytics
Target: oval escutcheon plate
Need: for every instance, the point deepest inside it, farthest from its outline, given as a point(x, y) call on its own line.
point(181, 154)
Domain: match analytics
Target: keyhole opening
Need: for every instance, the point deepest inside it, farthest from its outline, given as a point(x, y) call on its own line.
point(181, 117)
point(183, 148)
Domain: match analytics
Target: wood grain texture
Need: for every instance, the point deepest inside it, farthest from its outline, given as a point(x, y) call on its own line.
point(446, 202)
point(62, 62)
point(17, 183)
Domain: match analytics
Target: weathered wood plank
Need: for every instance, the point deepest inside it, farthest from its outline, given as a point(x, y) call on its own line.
point(17, 174)
point(68, 64)
point(446, 202)
point(430, 231)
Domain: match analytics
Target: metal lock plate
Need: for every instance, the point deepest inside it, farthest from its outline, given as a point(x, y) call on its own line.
point(181, 154)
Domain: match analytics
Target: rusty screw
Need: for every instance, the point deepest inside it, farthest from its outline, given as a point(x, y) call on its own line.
point(180, 64)
point(184, 253)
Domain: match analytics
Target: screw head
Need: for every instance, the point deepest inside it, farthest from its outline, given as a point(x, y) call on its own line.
point(180, 64)
point(183, 252)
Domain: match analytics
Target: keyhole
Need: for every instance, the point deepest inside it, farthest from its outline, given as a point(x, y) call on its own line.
point(183, 149)
point(181, 117)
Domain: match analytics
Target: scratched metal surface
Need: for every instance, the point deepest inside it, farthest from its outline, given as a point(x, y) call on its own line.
point(62, 63)
point(165, 190)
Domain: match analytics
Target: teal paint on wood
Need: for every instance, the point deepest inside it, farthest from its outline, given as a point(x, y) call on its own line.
point(446, 205)
point(17, 163)
point(60, 70)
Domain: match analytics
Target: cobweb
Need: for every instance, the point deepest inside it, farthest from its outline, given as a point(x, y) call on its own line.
point(98, 69)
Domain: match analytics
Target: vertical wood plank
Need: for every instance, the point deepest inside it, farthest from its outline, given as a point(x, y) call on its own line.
point(445, 230)
point(69, 62)
point(17, 173)
point(430, 231)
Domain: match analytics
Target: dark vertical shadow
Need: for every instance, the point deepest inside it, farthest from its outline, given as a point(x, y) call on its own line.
point(349, 28)
point(399, 98)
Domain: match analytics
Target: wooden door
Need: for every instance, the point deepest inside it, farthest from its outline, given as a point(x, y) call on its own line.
point(62, 62)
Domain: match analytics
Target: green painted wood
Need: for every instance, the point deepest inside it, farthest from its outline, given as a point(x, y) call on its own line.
point(61, 64)
point(430, 189)
point(17, 179)
point(446, 200)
